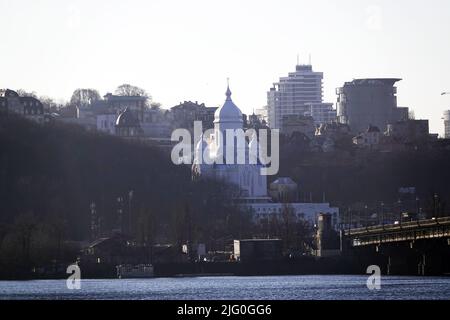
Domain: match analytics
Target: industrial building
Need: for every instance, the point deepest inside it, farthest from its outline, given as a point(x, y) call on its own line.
point(327, 237)
point(365, 102)
point(250, 250)
point(447, 124)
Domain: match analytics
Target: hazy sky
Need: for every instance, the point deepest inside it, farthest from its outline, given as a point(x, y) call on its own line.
point(185, 50)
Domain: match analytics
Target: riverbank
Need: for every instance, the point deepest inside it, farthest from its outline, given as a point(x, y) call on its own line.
point(307, 265)
point(304, 265)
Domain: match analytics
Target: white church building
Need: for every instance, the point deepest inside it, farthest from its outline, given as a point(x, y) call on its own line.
point(212, 153)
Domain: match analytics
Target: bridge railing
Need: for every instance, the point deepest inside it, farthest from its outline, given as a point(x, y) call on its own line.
point(398, 226)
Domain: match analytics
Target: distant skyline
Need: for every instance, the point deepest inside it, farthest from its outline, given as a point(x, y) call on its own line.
point(185, 50)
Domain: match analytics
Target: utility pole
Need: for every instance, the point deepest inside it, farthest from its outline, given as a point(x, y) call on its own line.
point(94, 221)
point(418, 207)
point(366, 217)
point(130, 198)
point(436, 210)
point(120, 213)
point(446, 119)
point(349, 213)
point(189, 231)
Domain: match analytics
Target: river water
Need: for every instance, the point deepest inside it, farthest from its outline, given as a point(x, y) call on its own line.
point(239, 288)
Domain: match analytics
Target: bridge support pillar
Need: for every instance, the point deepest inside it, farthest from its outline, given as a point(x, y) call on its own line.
point(431, 264)
point(401, 259)
point(421, 266)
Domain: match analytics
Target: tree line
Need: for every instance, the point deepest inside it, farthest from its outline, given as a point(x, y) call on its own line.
point(51, 174)
point(86, 97)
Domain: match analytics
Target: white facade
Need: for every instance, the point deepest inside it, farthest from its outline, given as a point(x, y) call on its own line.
point(211, 155)
point(305, 211)
point(251, 186)
point(291, 94)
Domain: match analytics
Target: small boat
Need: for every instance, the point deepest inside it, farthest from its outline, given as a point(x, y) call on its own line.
point(128, 271)
point(194, 275)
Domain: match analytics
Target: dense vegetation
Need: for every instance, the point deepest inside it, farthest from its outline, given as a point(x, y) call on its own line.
point(370, 177)
point(50, 174)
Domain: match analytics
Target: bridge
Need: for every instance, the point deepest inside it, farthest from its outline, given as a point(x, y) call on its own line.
point(419, 247)
point(406, 231)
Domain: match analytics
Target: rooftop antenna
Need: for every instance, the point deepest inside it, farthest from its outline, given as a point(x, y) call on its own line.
point(310, 59)
point(298, 59)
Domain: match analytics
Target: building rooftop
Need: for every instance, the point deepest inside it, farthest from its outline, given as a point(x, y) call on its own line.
point(303, 67)
point(8, 93)
point(284, 180)
point(374, 81)
point(112, 97)
point(229, 112)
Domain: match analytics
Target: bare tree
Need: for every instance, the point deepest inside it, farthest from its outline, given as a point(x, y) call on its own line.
point(84, 97)
point(25, 226)
point(24, 93)
point(49, 103)
point(288, 221)
point(130, 90)
point(155, 105)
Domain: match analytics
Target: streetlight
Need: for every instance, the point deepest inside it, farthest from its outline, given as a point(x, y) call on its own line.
point(446, 118)
point(366, 218)
point(382, 213)
point(435, 205)
point(93, 221)
point(120, 212)
point(418, 207)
